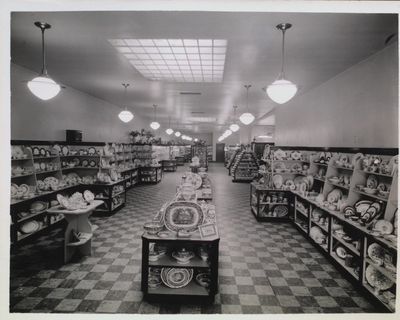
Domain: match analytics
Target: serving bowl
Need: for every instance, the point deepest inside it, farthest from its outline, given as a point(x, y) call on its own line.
point(152, 227)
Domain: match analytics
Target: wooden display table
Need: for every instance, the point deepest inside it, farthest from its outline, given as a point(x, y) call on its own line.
point(168, 165)
point(180, 160)
point(78, 220)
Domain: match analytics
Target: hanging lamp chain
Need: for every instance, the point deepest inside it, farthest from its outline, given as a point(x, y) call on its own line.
point(283, 27)
point(125, 85)
point(247, 86)
point(43, 26)
point(155, 112)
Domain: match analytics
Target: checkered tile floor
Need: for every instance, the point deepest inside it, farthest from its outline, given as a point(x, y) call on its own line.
point(264, 267)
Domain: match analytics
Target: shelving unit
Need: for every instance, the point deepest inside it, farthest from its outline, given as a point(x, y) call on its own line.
point(193, 291)
point(245, 167)
point(268, 204)
point(201, 153)
point(168, 165)
point(344, 241)
point(151, 174)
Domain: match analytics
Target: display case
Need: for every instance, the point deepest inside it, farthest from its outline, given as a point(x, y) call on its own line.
point(112, 194)
point(181, 280)
point(200, 152)
point(245, 167)
point(131, 177)
point(268, 204)
point(152, 174)
point(168, 165)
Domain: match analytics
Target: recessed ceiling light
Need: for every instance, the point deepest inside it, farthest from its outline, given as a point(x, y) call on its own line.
point(162, 55)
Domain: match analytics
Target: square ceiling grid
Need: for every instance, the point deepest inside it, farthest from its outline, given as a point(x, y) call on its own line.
point(176, 60)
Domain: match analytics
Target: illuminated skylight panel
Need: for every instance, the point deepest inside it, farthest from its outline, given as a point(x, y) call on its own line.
point(187, 60)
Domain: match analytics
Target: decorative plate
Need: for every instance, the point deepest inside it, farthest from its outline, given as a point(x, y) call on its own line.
point(377, 279)
point(281, 210)
point(183, 215)
point(372, 182)
point(295, 155)
point(85, 163)
point(23, 189)
point(76, 162)
point(176, 277)
point(38, 206)
point(383, 226)
point(65, 150)
point(57, 149)
point(341, 252)
point(279, 166)
point(88, 195)
point(92, 163)
point(36, 151)
point(43, 152)
point(203, 279)
point(92, 151)
point(376, 253)
point(14, 189)
point(194, 179)
point(30, 227)
point(279, 154)
point(278, 181)
point(296, 167)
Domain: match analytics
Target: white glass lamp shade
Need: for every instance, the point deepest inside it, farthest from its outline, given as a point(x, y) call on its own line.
point(220, 138)
point(195, 139)
point(44, 87)
point(125, 116)
point(154, 125)
point(281, 91)
point(169, 131)
point(234, 127)
point(177, 134)
point(246, 118)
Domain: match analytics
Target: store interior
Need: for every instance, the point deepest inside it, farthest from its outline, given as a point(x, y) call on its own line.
point(265, 202)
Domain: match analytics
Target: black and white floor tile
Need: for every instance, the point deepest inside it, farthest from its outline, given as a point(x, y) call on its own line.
point(263, 268)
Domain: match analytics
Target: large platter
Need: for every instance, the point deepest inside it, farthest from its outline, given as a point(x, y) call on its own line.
point(176, 277)
point(281, 211)
point(183, 215)
point(377, 279)
point(194, 179)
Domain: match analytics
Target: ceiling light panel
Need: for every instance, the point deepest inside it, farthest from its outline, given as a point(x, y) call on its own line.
point(178, 60)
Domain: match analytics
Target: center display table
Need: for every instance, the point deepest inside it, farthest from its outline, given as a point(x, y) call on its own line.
point(78, 221)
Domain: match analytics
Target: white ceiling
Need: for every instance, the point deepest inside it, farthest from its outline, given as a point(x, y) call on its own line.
point(318, 47)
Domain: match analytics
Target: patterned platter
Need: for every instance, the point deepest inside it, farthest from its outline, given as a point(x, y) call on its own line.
point(183, 215)
point(176, 277)
point(377, 279)
point(281, 211)
point(194, 179)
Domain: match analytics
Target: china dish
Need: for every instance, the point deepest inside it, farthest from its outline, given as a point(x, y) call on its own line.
point(376, 279)
point(376, 253)
point(65, 150)
point(280, 154)
point(278, 181)
point(280, 211)
point(152, 227)
point(38, 206)
point(194, 179)
point(341, 252)
point(372, 182)
point(30, 227)
point(383, 227)
point(183, 215)
point(176, 277)
point(295, 155)
point(182, 256)
point(203, 279)
point(92, 151)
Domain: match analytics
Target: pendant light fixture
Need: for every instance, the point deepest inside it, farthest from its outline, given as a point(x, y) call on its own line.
point(155, 125)
point(43, 86)
point(282, 90)
point(169, 131)
point(234, 126)
point(125, 115)
point(247, 118)
point(177, 134)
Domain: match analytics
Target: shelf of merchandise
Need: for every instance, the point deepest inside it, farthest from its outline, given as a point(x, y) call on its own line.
point(168, 165)
point(361, 235)
point(180, 160)
point(131, 177)
point(245, 167)
point(192, 291)
point(264, 210)
point(109, 196)
point(151, 174)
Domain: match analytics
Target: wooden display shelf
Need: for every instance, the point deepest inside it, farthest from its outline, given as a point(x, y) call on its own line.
point(304, 230)
point(30, 216)
point(374, 173)
point(372, 291)
point(338, 185)
point(192, 289)
point(322, 227)
point(48, 171)
point(303, 213)
point(168, 261)
point(370, 195)
point(22, 175)
point(342, 168)
point(348, 269)
point(41, 157)
point(347, 245)
point(388, 274)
